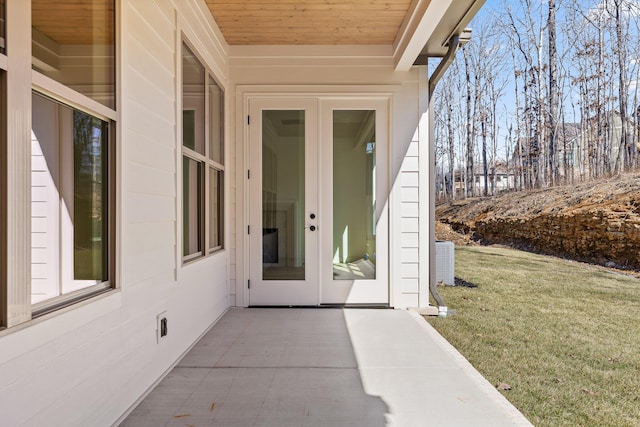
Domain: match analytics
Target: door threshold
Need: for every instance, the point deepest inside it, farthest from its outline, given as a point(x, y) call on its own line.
point(369, 306)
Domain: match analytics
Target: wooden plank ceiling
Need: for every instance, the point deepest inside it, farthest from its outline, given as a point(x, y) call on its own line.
point(309, 22)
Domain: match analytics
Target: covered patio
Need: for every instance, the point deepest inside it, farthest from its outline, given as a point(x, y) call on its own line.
point(323, 367)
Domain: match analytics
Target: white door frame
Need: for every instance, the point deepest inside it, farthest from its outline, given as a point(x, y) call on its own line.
point(366, 96)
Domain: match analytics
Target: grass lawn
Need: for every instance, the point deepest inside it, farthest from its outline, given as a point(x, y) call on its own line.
point(565, 336)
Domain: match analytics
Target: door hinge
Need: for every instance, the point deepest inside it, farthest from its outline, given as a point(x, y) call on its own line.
point(248, 229)
point(248, 284)
point(248, 173)
point(248, 120)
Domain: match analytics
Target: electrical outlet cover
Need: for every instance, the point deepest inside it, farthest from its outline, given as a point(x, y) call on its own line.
point(161, 326)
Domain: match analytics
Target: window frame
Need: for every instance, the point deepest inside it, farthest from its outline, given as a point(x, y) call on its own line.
point(19, 82)
point(3, 194)
point(45, 88)
point(205, 161)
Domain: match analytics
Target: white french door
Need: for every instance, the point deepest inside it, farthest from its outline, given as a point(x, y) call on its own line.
point(317, 206)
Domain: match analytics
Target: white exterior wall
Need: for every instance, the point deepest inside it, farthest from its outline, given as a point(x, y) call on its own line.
point(89, 363)
point(344, 71)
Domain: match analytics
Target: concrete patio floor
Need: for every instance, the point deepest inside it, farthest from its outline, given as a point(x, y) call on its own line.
point(323, 367)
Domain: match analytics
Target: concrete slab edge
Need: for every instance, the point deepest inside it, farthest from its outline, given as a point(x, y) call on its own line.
point(484, 385)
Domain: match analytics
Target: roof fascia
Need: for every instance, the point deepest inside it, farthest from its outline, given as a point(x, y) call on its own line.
point(421, 22)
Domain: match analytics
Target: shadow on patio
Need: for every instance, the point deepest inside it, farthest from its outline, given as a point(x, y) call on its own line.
point(323, 367)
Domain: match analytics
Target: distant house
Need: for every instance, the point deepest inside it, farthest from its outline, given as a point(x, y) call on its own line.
point(580, 151)
point(499, 178)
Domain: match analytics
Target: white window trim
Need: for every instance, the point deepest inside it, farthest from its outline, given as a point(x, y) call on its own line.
point(70, 98)
point(204, 159)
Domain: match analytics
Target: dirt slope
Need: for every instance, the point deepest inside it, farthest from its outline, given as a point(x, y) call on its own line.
point(597, 222)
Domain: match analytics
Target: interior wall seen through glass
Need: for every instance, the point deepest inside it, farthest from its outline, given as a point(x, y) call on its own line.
point(354, 195)
point(283, 195)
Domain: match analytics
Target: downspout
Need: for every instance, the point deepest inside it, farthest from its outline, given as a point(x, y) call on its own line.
point(443, 66)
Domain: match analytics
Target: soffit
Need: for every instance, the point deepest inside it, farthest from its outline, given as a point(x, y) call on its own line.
point(269, 22)
point(309, 22)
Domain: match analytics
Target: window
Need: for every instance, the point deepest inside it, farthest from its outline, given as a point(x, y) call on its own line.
point(59, 168)
point(70, 152)
point(202, 159)
point(69, 203)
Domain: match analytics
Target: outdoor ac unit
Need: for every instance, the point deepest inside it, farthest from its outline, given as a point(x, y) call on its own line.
point(444, 262)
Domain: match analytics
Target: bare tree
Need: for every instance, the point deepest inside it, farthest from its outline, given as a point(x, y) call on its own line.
point(553, 92)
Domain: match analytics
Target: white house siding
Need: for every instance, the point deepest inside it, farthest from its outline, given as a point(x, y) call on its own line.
point(409, 228)
point(87, 364)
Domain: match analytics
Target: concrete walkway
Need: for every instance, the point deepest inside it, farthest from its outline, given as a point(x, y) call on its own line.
point(324, 367)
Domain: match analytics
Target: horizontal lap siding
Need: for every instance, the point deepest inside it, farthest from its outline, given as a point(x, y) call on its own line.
point(410, 233)
point(148, 123)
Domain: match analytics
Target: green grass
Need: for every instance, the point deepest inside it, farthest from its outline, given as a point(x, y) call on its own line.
point(565, 336)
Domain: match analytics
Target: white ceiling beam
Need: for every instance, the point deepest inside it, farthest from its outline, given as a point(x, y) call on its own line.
point(416, 30)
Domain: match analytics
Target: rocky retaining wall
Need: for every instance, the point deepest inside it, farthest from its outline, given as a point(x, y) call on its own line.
point(606, 233)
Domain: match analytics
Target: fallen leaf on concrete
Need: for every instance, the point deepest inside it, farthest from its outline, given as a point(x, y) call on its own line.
point(213, 405)
point(503, 386)
point(182, 415)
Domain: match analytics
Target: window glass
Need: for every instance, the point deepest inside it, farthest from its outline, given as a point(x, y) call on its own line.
point(69, 203)
point(191, 206)
point(215, 122)
point(193, 101)
point(3, 202)
point(74, 44)
point(203, 159)
point(215, 208)
point(3, 39)
point(283, 195)
point(354, 195)
point(89, 197)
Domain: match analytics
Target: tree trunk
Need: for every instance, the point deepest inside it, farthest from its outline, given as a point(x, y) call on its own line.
point(553, 94)
point(469, 175)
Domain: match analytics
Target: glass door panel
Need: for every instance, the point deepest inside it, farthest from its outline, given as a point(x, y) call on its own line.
point(283, 195)
point(354, 195)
